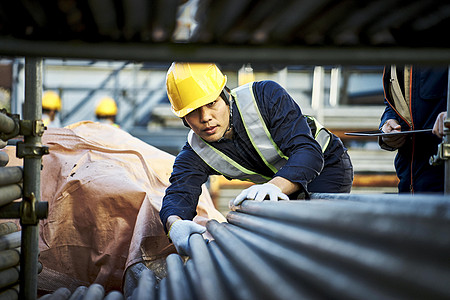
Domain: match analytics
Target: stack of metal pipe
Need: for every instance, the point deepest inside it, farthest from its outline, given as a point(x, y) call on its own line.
point(10, 236)
point(330, 247)
point(9, 260)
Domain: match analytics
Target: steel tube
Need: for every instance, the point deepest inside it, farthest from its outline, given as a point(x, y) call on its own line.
point(10, 193)
point(9, 175)
point(177, 280)
point(193, 278)
point(253, 267)
point(7, 124)
point(403, 199)
point(419, 274)
point(8, 277)
point(94, 292)
point(10, 294)
point(163, 52)
point(31, 180)
point(114, 295)
point(386, 222)
point(211, 285)
point(4, 159)
point(12, 210)
point(9, 258)
point(163, 293)
point(79, 293)
point(62, 293)
point(10, 241)
point(234, 280)
point(146, 286)
point(8, 227)
point(307, 271)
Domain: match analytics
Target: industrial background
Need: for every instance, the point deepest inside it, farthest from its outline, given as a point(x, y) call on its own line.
point(328, 54)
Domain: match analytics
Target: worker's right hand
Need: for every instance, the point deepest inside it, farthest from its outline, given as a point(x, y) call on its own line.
point(179, 233)
point(438, 128)
point(259, 192)
point(394, 141)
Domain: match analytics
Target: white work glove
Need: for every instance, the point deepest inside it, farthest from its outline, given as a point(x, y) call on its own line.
point(179, 233)
point(259, 192)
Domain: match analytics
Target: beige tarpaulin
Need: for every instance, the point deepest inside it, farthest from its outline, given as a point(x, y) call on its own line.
point(104, 189)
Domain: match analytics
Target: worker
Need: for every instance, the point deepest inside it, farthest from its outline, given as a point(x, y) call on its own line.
point(106, 111)
point(415, 98)
point(51, 106)
point(257, 133)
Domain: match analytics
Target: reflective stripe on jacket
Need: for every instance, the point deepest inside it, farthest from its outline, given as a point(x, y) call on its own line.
point(259, 136)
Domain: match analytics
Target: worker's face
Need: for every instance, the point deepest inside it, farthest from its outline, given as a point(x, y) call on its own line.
point(210, 121)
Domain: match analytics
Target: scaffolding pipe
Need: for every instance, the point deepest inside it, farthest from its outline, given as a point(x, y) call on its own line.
point(210, 284)
point(385, 222)
point(382, 266)
point(114, 295)
point(9, 258)
point(163, 293)
point(8, 277)
point(10, 193)
point(146, 286)
point(12, 293)
point(7, 125)
point(31, 181)
point(4, 158)
point(253, 267)
point(78, 293)
point(193, 278)
point(8, 227)
point(13, 210)
point(178, 283)
point(94, 292)
point(231, 276)
point(10, 241)
point(313, 273)
point(10, 175)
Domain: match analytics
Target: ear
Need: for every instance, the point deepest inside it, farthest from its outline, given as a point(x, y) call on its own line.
point(185, 123)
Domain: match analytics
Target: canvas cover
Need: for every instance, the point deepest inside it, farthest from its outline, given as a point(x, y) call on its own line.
point(105, 189)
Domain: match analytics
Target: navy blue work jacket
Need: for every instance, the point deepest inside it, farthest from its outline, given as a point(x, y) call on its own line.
point(428, 99)
point(290, 131)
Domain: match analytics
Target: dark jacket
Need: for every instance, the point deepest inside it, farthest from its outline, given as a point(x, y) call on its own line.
point(290, 131)
point(428, 98)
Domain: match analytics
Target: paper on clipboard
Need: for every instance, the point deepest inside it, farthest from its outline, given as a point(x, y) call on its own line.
point(380, 133)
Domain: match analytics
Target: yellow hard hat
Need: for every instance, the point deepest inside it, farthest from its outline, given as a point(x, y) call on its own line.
point(192, 85)
point(51, 101)
point(106, 107)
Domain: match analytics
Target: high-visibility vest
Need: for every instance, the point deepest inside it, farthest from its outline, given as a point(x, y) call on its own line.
point(259, 136)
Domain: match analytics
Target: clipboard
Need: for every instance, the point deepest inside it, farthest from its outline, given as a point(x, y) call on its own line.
point(380, 133)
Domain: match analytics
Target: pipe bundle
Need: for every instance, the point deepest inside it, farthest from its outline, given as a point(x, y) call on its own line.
point(9, 260)
point(330, 247)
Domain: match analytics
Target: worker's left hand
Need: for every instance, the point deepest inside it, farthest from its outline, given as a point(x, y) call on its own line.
point(179, 233)
point(259, 192)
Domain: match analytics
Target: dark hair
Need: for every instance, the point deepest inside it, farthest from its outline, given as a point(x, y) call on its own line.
point(224, 95)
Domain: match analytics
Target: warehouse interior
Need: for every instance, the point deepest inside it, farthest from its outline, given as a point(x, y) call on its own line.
point(363, 241)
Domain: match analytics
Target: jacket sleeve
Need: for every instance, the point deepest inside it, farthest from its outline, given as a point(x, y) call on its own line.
point(290, 131)
point(388, 113)
point(188, 175)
